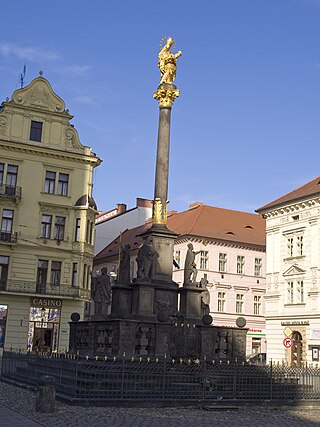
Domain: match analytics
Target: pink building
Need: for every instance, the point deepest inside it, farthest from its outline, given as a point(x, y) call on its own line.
point(231, 255)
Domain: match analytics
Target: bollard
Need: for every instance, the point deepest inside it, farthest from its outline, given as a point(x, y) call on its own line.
point(46, 396)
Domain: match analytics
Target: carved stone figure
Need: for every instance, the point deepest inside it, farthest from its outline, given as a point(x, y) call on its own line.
point(124, 267)
point(101, 293)
point(205, 296)
point(190, 268)
point(167, 62)
point(145, 260)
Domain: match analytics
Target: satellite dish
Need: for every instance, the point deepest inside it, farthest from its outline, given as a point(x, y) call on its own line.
point(75, 317)
point(241, 322)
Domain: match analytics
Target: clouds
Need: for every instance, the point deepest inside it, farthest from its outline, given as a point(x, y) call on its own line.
point(27, 52)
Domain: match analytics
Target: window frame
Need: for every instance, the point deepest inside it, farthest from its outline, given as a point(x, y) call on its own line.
point(222, 262)
point(49, 182)
point(63, 185)
point(46, 227)
point(36, 131)
point(240, 264)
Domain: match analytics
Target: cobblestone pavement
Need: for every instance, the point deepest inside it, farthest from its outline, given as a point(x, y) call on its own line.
point(17, 405)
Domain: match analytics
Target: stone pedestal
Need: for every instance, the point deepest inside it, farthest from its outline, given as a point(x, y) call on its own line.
point(46, 396)
point(121, 300)
point(190, 302)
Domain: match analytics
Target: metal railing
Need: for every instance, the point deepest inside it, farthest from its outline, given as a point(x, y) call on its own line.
point(10, 191)
point(8, 237)
point(163, 379)
point(20, 286)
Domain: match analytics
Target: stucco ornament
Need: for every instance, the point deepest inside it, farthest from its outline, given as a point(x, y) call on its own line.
point(39, 94)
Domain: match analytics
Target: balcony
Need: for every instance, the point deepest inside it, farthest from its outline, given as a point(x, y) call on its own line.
point(13, 192)
point(22, 287)
point(8, 237)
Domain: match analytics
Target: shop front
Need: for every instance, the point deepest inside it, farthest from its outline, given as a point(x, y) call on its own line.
point(44, 324)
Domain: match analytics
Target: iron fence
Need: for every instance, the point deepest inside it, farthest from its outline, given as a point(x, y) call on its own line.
point(156, 379)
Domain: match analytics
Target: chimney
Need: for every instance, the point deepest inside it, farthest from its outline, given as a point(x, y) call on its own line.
point(143, 203)
point(121, 207)
point(195, 205)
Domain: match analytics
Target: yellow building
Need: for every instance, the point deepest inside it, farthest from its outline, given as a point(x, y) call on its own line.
point(47, 219)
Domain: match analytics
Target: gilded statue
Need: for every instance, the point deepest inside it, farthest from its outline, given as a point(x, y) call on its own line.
point(167, 62)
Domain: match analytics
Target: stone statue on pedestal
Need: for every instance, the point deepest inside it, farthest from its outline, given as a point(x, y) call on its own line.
point(145, 260)
point(190, 268)
point(124, 267)
point(101, 293)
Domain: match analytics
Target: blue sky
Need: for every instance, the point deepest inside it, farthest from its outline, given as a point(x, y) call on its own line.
point(246, 128)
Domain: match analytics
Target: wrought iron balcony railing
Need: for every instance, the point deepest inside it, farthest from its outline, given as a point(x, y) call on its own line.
point(8, 237)
point(10, 191)
point(23, 287)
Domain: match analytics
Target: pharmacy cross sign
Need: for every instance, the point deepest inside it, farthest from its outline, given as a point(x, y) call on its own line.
point(287, 342)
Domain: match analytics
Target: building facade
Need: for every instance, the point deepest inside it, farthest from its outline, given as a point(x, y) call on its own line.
point(111, 223)
point(230, 249)
point(293, 283)
point(47, 217)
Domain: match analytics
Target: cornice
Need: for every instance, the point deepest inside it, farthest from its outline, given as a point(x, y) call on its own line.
point(217, 242)
point(292, 208)
point(49, 152)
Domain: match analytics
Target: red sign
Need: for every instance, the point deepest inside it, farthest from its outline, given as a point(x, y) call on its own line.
point(287, 342)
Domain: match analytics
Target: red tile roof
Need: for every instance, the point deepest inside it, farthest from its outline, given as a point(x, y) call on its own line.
point(311, 188)
point(204, 222)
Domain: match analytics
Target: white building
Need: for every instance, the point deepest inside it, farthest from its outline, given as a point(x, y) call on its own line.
point(293, 283)
point(231, 248)
point(111, 223)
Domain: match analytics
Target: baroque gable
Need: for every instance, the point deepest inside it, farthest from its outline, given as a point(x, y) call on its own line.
point(39, 95)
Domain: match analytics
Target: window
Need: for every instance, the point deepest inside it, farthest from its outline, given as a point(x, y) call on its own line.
point(258, 267)
point(221, 301)
point(295, 246)
point(4, 265)
point(1, 172)
point(290, 246)
point(46, 222)
point(87, 230)
point(42, 275)
point(11, 180)
point(204, 257)
point(84, 279)
point(35, 131)
point(12, 173)
point(240, 264)
point(299, 245)
point(222, 262)
point(239, 303)
point(63, 184)
point(74, 274)
point(256, 304)
point(59, 228)
point(290, 293)
point(77, 230)
point(91, 234)
point(177, 259)
point(7, 221)
point(300, 292)
point(49, 183)
point(55, 272)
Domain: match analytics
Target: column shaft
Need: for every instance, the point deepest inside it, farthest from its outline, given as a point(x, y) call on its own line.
point(162, 164)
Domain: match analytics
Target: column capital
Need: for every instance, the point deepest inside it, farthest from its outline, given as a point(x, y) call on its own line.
point(166, 95)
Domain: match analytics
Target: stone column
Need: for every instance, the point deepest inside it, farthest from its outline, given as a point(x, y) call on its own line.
point(162, 163)
point(166, 94)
